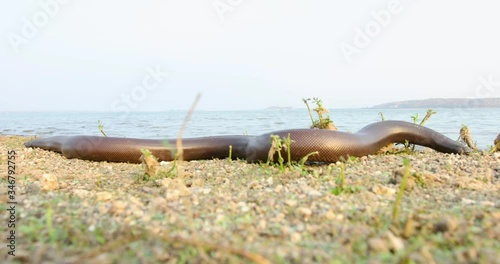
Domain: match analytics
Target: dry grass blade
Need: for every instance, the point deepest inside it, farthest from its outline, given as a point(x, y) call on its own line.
point(466, 137)
point(496, 146)
point(397, 204)
point(180, 152)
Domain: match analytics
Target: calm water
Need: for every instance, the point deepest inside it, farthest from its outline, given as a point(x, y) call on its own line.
point(483, 123)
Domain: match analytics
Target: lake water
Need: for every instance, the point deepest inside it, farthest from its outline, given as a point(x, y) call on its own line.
point(484, 123)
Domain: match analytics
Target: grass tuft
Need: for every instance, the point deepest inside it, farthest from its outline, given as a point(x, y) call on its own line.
point(324, 121)
point(100, 126)
point(402, 187)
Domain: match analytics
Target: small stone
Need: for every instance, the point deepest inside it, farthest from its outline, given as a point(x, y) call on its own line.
point(305, 211)
point(468, 201)
point(118, 207)
point(49, 182)
point(149, 164)
point(279, 217)
point(383, 190)
point(291, 202)
point(295, 237)
point(172, 195)
point(397, 244)
point(378, 245)
point(488, 203)
point(269, 181)
point(164, 163)
point(177, 186)
point(314, 193)
point(103, 196)
point(243, 207)
point(198, 183)
point(102, 258)
point(220, 218)
point(330, 215)
point(398, 177)
point(262, 224)
point(448, 224)
point(81, 193)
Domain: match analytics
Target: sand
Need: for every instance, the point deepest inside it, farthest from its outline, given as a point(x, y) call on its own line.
point(230, 211)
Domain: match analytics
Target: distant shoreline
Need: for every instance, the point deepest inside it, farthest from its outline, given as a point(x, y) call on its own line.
point(442, 103)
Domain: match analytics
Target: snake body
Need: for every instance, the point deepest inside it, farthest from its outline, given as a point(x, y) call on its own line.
point(330, 145)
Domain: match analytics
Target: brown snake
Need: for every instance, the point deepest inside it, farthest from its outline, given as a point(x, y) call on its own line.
point(331, 145)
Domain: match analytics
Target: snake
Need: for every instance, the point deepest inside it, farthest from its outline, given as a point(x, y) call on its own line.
point(328, 145)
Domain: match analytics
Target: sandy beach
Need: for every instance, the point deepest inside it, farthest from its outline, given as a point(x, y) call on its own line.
point(224, 211)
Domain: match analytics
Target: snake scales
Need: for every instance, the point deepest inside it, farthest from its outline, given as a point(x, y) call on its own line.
point(331, 145)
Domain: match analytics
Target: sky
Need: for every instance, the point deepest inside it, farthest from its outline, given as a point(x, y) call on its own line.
point(152, 55)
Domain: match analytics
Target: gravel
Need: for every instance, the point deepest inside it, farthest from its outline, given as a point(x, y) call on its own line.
point(232, 211)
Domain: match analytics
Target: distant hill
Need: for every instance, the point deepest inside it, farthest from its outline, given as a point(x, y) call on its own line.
point(444, 103)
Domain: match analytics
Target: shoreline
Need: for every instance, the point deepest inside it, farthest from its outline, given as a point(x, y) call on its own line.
point(221, 210)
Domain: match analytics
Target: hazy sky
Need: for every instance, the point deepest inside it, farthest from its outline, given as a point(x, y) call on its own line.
point(243, 54)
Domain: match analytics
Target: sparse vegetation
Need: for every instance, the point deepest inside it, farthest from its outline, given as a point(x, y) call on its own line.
point(397, 204)
point(495, 147)
point(100, 126)
point(407, 146)
point(226, 211)
point(340, 185)
point(466, 137)
point(179, 153)
point(324, 121)
point(414, 118)
point(258, 209)
point(428, 115)
point(230, 156)
point(278, 144)
point(381, 116)
point(149, 165)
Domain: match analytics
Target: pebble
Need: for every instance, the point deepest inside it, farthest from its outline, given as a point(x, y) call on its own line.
point(295, 237)
point(49, 182)
point(468, 201)
point(314, 193)
point(226, 203)
point(487, 203)
point(377, 245)
point(118, 207)
point(243, 207)
point(305, 211)
point(397, 244)
point(447, 224)
point(383, 190)
point(81, 193)
point(104, 196)
point(164, 163)
point(269, 181)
